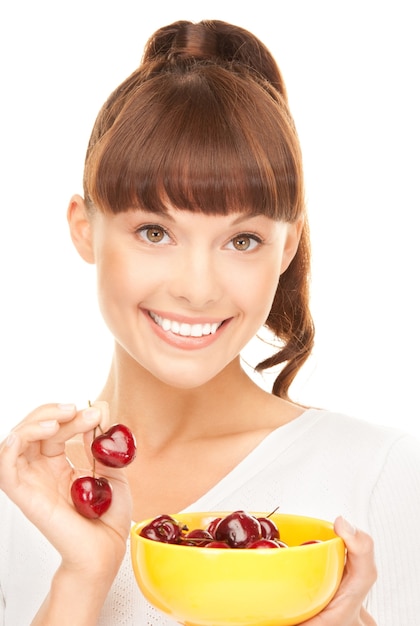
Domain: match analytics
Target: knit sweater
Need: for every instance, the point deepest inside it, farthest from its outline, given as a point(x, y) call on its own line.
point(322, 464)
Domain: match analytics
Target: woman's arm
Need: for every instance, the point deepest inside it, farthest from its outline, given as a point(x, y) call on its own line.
point(74, 598)
point(36, 475)
point(394, 522)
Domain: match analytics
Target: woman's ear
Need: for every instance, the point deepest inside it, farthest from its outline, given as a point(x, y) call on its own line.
point(80, 228)
point(292, 242)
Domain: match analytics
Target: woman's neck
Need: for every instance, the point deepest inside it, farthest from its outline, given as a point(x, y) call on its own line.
point(230, 402)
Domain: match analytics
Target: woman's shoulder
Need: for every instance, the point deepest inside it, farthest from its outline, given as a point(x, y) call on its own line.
point(348, 424)
point(349, 432)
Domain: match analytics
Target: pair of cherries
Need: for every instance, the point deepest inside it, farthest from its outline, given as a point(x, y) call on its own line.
point(92, 495)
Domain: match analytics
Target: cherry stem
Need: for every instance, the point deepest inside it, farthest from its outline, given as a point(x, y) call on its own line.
point(272, 512)
point(94, 460)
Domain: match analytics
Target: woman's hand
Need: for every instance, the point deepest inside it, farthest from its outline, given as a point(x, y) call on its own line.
point(346, 608)
point(37, 475)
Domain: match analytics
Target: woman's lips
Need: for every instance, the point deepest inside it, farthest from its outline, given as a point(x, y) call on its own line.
point(186, 335)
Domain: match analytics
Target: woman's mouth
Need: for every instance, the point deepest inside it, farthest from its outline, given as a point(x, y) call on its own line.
point(183, 328)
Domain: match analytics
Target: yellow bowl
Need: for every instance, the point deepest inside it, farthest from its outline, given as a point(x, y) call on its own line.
point(241, 587)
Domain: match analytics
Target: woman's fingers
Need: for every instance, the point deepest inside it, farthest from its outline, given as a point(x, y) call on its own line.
point(51, 425)
point(84, 421)
point(360, 572)
point(346, 608)
point(43, 434)
point(46, 412)
point(23, 443)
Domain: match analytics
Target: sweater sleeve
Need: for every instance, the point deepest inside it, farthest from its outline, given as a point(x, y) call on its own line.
point(394, 521)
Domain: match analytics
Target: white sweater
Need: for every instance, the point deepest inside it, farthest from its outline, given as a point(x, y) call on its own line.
point(322, 464)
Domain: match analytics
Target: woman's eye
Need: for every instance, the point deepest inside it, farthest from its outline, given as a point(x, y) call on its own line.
point(244, 242)
point(153, 233)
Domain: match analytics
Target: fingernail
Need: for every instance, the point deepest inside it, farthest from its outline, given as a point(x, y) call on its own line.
point(348, 527)
point(91, 414)
point(67, 408)
point(10, 440)
point(48, 423)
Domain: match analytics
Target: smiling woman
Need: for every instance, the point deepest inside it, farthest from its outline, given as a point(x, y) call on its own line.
point(193, 217)
point(217, 289)
point(359, 142)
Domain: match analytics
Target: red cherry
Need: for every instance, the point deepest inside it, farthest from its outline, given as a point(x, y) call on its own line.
point(211, 528)
point(91, 496)
point(157, 521)
point(263, 543)
point(307, 543)
point(269, 529)
point(162, 528)
point(238, 529)
point(197, 537)
point(116, 447)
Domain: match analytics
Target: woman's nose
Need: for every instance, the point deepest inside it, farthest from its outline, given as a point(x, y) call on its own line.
point(195, 278)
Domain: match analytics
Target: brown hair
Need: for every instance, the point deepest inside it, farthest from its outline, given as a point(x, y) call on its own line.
point(204, 125)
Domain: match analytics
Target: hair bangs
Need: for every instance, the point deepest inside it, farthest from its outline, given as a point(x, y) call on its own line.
point(200, 142)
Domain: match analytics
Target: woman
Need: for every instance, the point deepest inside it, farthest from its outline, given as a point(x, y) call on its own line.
point(194, 214)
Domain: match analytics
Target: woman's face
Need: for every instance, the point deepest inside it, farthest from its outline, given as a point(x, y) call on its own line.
point(184, 292)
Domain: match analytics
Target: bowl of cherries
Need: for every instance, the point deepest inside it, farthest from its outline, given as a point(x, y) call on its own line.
point(237, 568)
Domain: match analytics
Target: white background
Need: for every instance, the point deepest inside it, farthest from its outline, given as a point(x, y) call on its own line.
point(352, 72)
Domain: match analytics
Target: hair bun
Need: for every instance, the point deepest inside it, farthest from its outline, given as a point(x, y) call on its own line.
point(183, 39)
point(217, 42)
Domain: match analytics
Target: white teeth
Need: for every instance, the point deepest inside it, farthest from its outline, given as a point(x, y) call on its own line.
point(184, 329)
point(166, 324)
point(196, 330)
